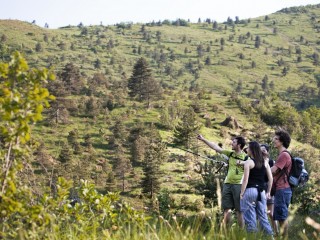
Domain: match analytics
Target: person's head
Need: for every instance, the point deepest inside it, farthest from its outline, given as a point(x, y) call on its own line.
point(264, 149)
point(254, 151)
point(281, 138)
point(238, 143)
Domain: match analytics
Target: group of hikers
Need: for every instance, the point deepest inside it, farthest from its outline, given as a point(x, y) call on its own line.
point(247, 186)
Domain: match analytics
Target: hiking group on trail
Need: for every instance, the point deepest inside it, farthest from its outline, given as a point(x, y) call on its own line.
point(252, 180)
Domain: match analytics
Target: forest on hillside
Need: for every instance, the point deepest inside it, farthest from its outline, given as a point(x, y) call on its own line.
point(99, 123)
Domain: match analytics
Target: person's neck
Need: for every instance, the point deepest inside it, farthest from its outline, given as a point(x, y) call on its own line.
point(281, 149)
point(238, 151)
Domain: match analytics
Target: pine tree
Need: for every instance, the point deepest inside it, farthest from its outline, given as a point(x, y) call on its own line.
point(97, 64)
point(257, 42)
point(39, 47)
point(159, 36)
point(119, 132)
point(186, 130)
point(142, 84)
point(122, 165)
point(111, 182)
point(3, 38)
point(73, 141)
point(200, 50)
point(71, 78)
point(138, 149)
point(222, 41)
point(315, 59)
point(65, 154)
point(155, 155)
point(208, 61)
point(239, 86)
point(265, 84)
point(215, 25)
point(92, 107)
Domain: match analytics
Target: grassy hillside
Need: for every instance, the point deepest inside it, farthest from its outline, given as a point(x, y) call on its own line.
point(217, 71)
point(114, 47)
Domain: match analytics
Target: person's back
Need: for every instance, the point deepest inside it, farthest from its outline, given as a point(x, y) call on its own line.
point(253, 197)
point(257, 176)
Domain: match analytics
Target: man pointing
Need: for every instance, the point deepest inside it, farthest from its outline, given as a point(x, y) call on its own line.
point(232, 183)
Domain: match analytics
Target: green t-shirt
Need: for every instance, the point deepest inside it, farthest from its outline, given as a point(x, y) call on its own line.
point(235, 173)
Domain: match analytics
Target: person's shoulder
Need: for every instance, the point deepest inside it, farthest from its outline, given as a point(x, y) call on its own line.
point(285, 154)
point(226, 152)
point(250, 162)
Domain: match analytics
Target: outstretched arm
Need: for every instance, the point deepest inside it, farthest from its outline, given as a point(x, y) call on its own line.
point(212, 145)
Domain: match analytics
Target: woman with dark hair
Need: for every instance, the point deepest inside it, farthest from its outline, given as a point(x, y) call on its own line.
point(253, 197)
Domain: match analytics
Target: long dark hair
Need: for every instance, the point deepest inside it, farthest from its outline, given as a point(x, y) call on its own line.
point(256, 153)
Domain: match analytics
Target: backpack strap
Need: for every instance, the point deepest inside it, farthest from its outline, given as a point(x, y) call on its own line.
point(286, 168)
point(236, 157)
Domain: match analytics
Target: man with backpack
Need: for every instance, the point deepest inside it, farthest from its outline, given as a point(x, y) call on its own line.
point(232, 184)
point(281, 171)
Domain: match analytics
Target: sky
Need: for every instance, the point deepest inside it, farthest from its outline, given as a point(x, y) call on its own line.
point(59, 13)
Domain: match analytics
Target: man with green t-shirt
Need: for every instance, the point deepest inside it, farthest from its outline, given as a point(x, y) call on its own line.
point(233, 181)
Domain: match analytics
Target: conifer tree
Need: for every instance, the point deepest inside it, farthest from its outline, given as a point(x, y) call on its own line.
point(122, 165)
point(39, 47)
point(142, 84)
point(187, 129)
point(265, 84)
point(71, 78)
point(257, 42)
point(65, 154)
point(73, 141)
point(138, 149)
point(111, 182)
point(97, 63)
point(155, 155)
point(215, 25)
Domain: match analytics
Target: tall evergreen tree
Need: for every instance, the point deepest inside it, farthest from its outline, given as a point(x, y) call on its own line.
point(122, 165)
point(138, 149)
point(73, 141)
point(265, 84)
point(186, 130)
point(215, 25)
point(65, 154)
point(257, 42)
point(142, 84)
point(154, 157)
point(111, 182)
point(71, 78)
point(119, 132)
point(39, 47)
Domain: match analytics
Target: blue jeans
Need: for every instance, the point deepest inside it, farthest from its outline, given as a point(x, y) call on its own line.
point(282, 200)
point(253, 209)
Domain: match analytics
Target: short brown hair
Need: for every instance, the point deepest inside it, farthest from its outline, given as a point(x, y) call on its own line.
point(241, 141)
point(284, 137)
